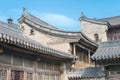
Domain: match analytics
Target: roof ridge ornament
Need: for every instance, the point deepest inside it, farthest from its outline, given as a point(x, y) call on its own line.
point(10, 20)
point(24, 10)
point(82, 14)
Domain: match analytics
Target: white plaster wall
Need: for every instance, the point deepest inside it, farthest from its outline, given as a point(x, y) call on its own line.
point(38, 36)
point(64, 47)
point(89, 29)
point(45, 39)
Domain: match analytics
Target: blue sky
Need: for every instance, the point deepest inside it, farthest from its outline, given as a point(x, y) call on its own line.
point(63, 14)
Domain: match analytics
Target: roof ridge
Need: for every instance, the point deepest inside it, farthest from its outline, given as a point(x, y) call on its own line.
point(12, 26)
point(7, 34)
point(40, 20)
point(110, 43)
point(93, 20)
point(108, 17)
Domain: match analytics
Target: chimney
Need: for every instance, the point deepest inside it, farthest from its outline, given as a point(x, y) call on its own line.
point(9, 20)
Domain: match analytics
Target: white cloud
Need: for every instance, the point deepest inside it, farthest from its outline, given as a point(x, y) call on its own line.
point(13, 13)
point(16, 12)
point(61, 21)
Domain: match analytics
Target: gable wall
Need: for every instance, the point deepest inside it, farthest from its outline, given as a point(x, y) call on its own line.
point(45, 39)
point(89, 29)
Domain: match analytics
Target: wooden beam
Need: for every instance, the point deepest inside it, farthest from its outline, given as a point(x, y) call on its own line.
point(89, 57)
point(74, 49)
point(84, 47)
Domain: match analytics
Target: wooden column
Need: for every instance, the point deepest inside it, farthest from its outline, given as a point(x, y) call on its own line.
point(89, 57)
point(8, 74)
point(55, 77)
point(74, 53)
point(74, 49)
point(35, 70)
point(63, 72)
point(25, 75)
point(36, 76)
point(42, 76)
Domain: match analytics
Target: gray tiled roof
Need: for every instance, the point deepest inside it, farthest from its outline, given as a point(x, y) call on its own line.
point(107, 50)
point(38, 21)
point(112, 20)
point(13, 35)
point(90, 72)
point(46, 28)
point(13, 27)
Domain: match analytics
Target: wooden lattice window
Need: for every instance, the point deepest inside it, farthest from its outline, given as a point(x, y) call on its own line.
point(46, 76)
point(5, 58)
point(52, 77)
point(3, 74)
point(49, 65)
point(17, 75)
point(41, 64)
point(83, 56)
point(28, 63)
point(40, 77)
point(57, 77)
point(17, 60)
point(56, 67)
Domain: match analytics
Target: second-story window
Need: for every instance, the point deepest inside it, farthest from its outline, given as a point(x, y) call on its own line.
point(23, 28)
point(32, 32)
point(96, 37)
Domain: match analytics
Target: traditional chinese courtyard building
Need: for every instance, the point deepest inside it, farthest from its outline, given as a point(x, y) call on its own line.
point(107, 29)
point(36, 50)
point(75, 43)
point(106, 32)
point(22, 58)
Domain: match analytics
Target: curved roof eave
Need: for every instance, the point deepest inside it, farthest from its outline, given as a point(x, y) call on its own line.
point(54, 31)
point(36, 20)
point(107, 50)
point(93, 21)
point(86, 73)
point(8, 35)
point(45, 28)
point(88, 40)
